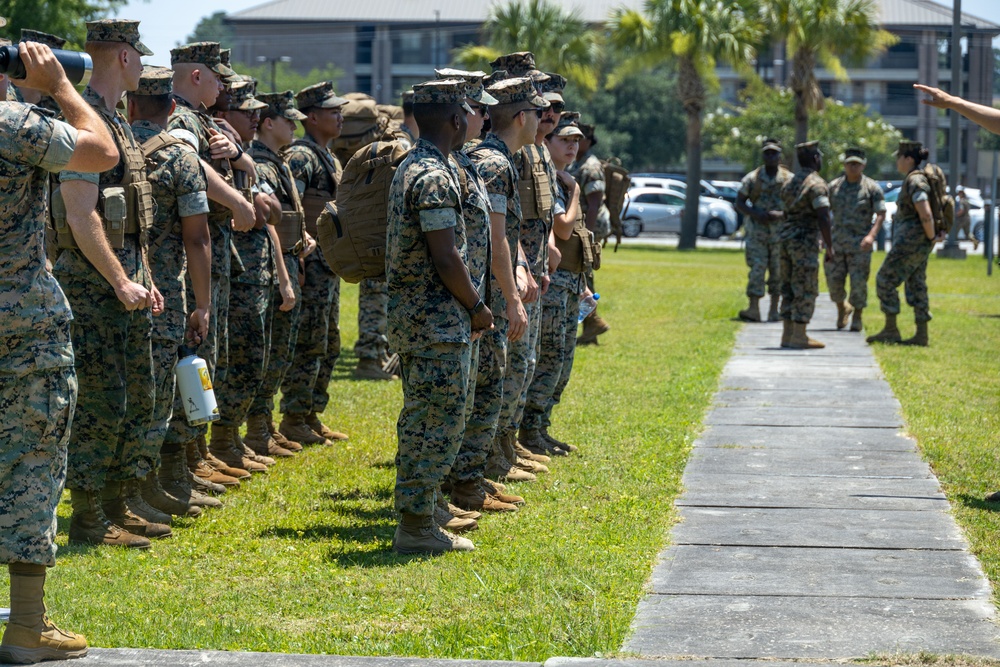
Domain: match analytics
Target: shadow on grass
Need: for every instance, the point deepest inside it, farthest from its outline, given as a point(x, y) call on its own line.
point(380, 493)
point(977, 503)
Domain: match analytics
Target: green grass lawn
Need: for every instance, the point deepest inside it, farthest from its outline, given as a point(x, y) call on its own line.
point(300, 561)
point(950, 393)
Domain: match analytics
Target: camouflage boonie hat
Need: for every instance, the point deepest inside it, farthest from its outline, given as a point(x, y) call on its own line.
point(242, 91)
point(51, 41)
point(568, 125)
point(855, 155)
point(155, 81)
point(283, 104)
point(906, 147)
point(117, 30)
point(517, 64)
point(512, 91)
point(442, 91)
point(201, 53)
point(770, 145)
point(319, 95)
point(477, 91)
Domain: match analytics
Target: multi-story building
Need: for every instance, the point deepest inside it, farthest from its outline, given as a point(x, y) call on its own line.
point(385, 46)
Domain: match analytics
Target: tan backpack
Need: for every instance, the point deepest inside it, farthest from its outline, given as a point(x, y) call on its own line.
point(364, 123)
point(942, 203)
point(352, 229)
point(616, 183)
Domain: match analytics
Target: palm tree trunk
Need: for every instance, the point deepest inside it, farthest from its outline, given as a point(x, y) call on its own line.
point(808, 95)
point(692, 91)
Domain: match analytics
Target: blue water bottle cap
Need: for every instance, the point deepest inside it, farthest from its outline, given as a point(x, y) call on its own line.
point(596, 296)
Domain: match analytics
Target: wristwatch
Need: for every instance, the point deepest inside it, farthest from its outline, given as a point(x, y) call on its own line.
point(478, 308)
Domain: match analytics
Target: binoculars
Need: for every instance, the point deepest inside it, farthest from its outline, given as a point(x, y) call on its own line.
point(78, 66)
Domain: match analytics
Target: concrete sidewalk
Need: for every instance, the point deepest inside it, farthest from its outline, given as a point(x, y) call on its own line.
point(810, 527)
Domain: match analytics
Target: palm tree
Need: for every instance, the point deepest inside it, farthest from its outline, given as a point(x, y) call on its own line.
point(561, 40)
point(694, 35)
point(826, 32)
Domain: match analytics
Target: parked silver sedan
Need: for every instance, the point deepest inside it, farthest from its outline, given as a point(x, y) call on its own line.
point(661, 210)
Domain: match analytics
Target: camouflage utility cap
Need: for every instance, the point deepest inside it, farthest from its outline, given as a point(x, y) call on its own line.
point(117, 30)
point(442, 91)
point(556, 83)
point(242, 92)
point(406, 96)
point(770, 145)
point(283, 104)
point(568, 125)
point(855, 155)
point(909, 147)
point(513, 91)
point(201, 53)
point(476, 91)
point(496, 77)
point(808, 148)
point(51, 41)
point(319, 95)
point(517, 64)
point(155, 81)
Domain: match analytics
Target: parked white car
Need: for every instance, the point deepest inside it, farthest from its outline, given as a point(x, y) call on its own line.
point(658, 209)
point(976, 212)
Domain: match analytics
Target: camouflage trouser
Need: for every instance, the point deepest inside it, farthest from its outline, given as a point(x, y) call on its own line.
point(284, 332)
point(799, 278)
point(519, 369)
point(114, 367)
point(849, 260)
point(318, 292)
point(484, 412)
point(214, 350)
point(906, 263)
point(763, 256)
point(963, 224)
point(556, 347)
point(431, 423)
point(167, 336)
point(249, 334)
point(321, 393)
point(38, 394)
point(373, 299)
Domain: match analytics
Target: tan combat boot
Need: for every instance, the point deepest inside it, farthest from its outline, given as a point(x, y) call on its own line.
point(175, 478)
point(89, 525)
point(525, 453)
point(843, 310)
point(118, 513)
point(154, 494)
point(786, 333)
point(752, 312)
point(593, 326)
point(30, 636)
point(772, 314)
point(499, 491)
point(889, 333)
point(138, 505)
point(534, 442)
point(259, 439)
point(223, 447)
point(856, 324)
point(417, 534)
point(471, 496)
point(919, 338)
point(555, 442)
point(202, 471)
point(527, 465)
point(290, 445)
point(312, 419)
point(219, 465)
point(294, 427)
point(445, 519)
point(371, 369)
point(800, 340)
point(249, 454)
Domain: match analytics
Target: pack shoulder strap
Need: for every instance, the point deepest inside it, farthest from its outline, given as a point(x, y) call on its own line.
point(158, 142)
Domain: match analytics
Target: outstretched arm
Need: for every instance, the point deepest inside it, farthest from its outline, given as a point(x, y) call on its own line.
point(984, 116)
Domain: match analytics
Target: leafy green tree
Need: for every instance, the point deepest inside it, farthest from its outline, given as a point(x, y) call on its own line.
point(285, 78)
point(65, 18)
point(695, 35)
point(736, 133)
point(823, 32)
point(640, 120)
point(213, 28)
point(561, 40)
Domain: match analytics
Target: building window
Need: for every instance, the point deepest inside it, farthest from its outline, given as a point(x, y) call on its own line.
point(364, 38)
point(400, 84)
point(363, 84)
point(901, 100)
point(902, 55)
point(411, 46)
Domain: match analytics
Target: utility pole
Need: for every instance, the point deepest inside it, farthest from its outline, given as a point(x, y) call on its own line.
point(274, 68)
point(951, 249)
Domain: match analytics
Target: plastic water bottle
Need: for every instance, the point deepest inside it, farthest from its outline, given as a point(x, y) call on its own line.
point(587, 306)
point(195, 388)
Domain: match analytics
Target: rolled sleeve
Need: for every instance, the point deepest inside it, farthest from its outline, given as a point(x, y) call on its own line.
point(498, 203)
point(821, 201)
point(79, 176)
point(880, 206)
point(61, 146)
point(194, 203)
point(434, 219)
point(919, 196)
point(187, 136)
point(592, 187)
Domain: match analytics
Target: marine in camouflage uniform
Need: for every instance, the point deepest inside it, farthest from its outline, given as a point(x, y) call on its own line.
point(273, 171)
point(33, 96)
point(112, 344)
point(428, 325)
point(37, 380)
point(807, 211)
point(589, 173)
point(762, 187)
point(305, 389)
point(854, 204)
point(906, 261)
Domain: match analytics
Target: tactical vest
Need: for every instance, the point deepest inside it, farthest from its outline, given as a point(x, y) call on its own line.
point(534, 187)
point(578, 251)
point(124, 208)
point(314, 199)
point(290, 229)
point(151, 147)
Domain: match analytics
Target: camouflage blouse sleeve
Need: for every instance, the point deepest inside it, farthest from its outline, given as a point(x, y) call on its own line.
point(185, 127)
point(819, 193)
point(435, 199)
point(191, 184)
point(33, 139)
point(920, 189)
point(877, 197)
point(302, 163)
point(495, 170)
point(267, 175)
point(591, 177)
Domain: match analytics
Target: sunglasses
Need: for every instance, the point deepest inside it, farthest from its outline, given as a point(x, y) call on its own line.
point(481, 109)
point(538, 112)
point(557, 107)
point(254, 113)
